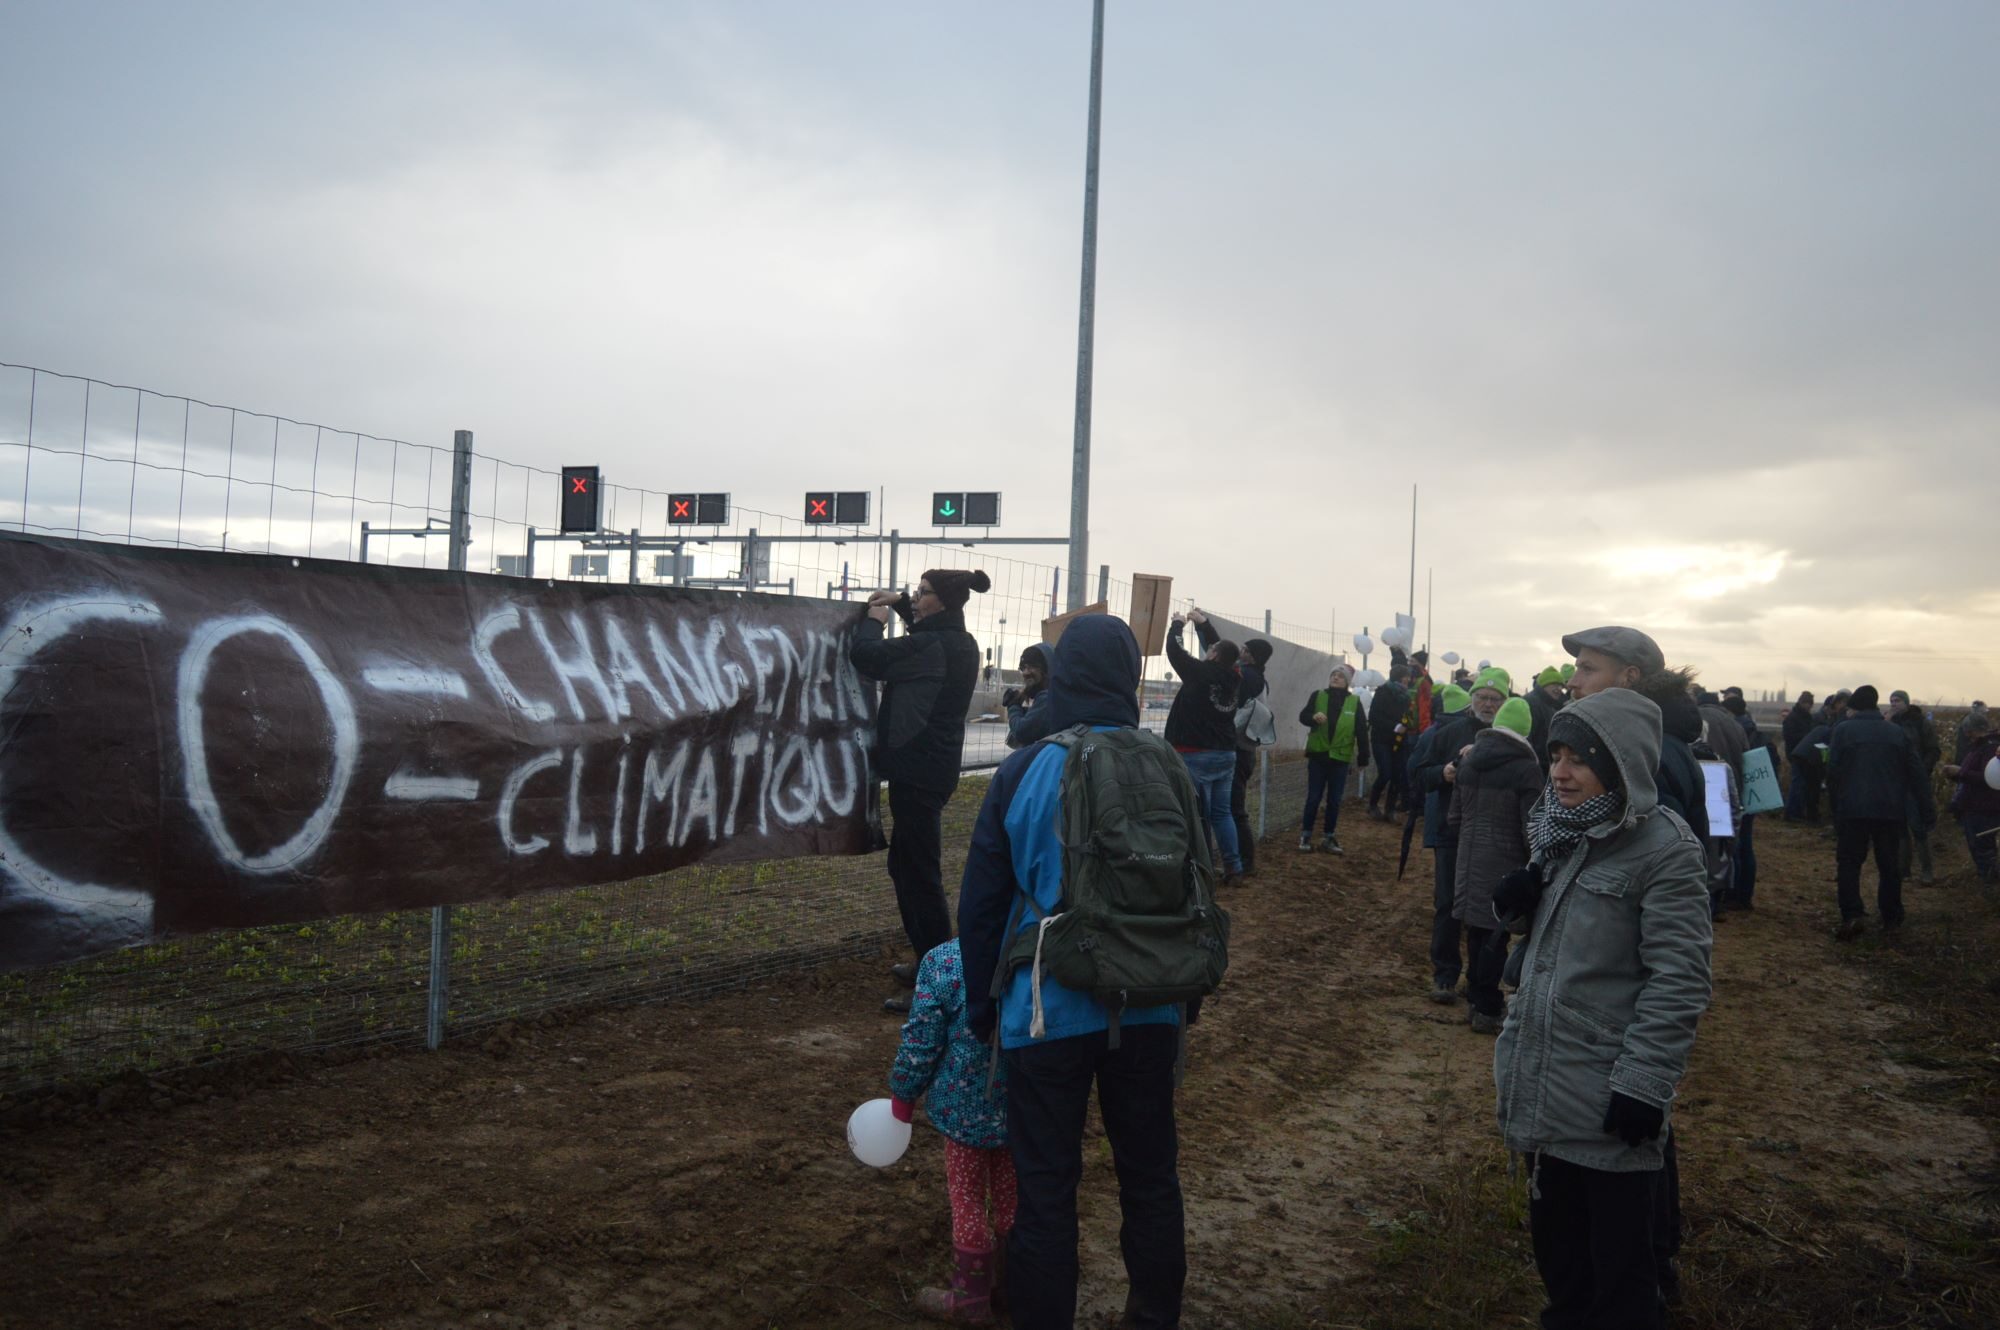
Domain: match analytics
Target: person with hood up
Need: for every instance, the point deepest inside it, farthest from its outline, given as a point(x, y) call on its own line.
point(1498, 783)
point(1016, 850)
point(1614, 977)
point(1027, 718)
point(1201, 725)
point(1924, 738)
point(1875, 775)
point(1437, 773)
point(1549, 695)
point(929, 674)
point(1977, 796)
point(1338, 738)
point(1249, 686)
point(1386, 729)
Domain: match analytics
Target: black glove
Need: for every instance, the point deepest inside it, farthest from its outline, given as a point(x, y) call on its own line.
point(1518, 893)
point(1010, 697)
point(1633, 1120)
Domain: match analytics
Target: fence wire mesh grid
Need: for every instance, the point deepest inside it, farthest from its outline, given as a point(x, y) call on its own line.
point(83, 458)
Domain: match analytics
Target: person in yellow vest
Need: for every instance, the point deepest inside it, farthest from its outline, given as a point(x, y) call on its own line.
point(1339, 739)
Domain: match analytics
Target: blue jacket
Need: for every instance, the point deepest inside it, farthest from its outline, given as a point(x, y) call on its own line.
point(941, 1058)
point(1094, 680)
point(1437, 749)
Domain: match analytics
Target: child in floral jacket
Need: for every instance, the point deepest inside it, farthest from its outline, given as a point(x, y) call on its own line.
point(942, 1061)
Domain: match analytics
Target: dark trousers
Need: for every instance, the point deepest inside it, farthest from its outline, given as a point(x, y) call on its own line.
point(1916, 847)
point(1593, 1239)
point(1814, 779)
point(1745, 888)
point(1239, 808)
point(1983, 844)
point(1485, 961)
point(1854, 837)
point(1667, 1218)
point(916, 847)
point(1048, 1091)
point(1324, 776)
point(1387, 788)
point(1445, 965)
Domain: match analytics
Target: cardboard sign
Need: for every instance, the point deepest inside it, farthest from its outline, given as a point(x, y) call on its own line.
point(1760, 783)
point(1052, 629)
point(1716, 780)
point(1152, 608)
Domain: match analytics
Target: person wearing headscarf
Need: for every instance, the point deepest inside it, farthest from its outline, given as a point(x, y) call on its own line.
point(928, 675)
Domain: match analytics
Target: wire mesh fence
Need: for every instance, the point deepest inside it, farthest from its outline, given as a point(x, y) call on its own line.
point(84, 458)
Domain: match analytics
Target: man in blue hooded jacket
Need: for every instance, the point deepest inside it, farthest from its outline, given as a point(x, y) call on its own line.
point(1015, 849)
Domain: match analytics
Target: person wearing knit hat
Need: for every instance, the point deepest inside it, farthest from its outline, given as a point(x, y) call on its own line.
point(1434, 774)
point(1545, 699)
point(1386, 727)
point(928, 675)
point(1337, 738)
point(1613, 977)
point(1452, 699)
point(1498, 783)
point(1876, 776)
point(1568, 672)
point(1250, 685)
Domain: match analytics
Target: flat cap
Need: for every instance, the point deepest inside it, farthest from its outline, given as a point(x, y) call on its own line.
point(1627, 644)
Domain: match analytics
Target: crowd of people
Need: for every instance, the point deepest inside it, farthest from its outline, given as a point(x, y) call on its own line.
point(1586, 835)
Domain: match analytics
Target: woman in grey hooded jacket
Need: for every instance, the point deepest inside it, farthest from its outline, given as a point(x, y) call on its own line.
point(1613, 977)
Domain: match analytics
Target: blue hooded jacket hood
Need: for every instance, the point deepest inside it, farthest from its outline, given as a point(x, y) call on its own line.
point(1094, 679)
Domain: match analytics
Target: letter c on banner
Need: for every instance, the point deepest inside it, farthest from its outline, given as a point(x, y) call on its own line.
point(194, 743)
point(30, 631)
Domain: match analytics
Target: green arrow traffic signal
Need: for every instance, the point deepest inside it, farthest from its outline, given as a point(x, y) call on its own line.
point(947, 510)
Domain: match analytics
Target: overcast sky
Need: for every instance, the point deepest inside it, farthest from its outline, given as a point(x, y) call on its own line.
point(1680, 316)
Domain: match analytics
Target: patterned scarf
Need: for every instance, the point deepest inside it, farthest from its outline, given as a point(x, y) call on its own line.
point(1554, 830)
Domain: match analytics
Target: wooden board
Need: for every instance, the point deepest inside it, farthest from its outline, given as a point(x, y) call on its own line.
point(1152, 609)
point(1052, 629)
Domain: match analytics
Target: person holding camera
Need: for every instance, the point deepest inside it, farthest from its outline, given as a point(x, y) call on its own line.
point(1202, 726)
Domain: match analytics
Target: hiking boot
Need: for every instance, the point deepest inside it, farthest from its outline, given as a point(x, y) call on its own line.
point(1305, 843)
point(1444, 993)
point(1850, 929)
point(969, 1300)
point(1481, 1023)
point(904, 974)
point(898, 1005)
point(1328, 845)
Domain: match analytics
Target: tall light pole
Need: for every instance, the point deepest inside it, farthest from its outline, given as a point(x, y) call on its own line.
point(1086, 324)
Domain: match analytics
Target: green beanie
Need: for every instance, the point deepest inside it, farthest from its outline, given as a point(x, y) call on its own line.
point(1549, 676)
point(1495, 678)
point(1567, 671)
point(1514, 715)
point(1454, 699)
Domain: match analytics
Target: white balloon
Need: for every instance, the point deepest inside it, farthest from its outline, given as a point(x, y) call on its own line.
point(1485, 664)
point(1372, 679)
point(1398, 637)
point(1993, 774)
point(1364, 643)
point(1451, 658)
point(873, 1133)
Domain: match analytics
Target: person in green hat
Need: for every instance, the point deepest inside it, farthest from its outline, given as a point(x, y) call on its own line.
point(1434, 776)
point(1498, 783)
point(1549, 695)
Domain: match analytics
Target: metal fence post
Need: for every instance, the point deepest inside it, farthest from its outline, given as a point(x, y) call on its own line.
point(750, 560)
point(632, 574)
point(461, 536)
point(364, 542)
point(1264, 771)
point(895, 549)
point(1104, 582)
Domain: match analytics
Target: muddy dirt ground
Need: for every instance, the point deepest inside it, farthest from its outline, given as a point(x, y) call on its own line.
point(684, 1165)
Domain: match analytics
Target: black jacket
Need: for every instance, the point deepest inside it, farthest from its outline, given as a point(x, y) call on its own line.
point(1874, 772)
point(1385, 712)
point(929, 673)
point(1204, 711)
point(1542, 711)
point(1798, 724)
point(1681, 786)
point(1923, 736)
point(1427, 776)
point(1497, 785)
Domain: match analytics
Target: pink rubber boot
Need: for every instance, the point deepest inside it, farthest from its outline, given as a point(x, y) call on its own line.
point(969, 1299)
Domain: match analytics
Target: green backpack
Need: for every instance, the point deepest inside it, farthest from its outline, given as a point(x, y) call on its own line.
point(1137, 925)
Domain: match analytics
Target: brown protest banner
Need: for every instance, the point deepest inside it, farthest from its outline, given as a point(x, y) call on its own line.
point(192, 740)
